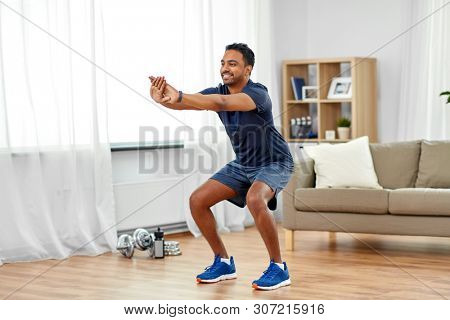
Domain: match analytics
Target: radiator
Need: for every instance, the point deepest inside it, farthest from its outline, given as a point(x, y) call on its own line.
point(150, 203)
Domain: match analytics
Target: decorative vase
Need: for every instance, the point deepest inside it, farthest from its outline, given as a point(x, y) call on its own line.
point(343, 133)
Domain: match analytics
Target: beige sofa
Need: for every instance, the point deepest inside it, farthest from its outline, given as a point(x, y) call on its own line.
point(415, 199)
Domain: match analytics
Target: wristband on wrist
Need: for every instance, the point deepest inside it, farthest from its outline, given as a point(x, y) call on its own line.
point(180, 96)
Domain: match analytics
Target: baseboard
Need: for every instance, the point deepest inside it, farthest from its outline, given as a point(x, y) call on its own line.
point(169, 228)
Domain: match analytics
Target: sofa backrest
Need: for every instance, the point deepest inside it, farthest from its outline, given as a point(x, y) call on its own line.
point(434, 165)
point(396, 163)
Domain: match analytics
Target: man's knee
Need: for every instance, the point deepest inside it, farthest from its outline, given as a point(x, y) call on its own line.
point(255, 203)
point(197, 200)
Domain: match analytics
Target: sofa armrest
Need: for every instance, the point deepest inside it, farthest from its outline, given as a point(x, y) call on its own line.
point(303, 177)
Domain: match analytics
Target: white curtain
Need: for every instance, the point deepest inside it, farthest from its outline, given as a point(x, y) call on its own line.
point(56, 196)
point(423, 114)
point(206, 32)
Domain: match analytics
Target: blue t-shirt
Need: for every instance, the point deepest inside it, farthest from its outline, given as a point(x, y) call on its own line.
point(254, 138)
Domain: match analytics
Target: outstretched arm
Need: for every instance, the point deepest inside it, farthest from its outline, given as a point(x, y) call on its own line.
point(214, 102)
point(219, 102)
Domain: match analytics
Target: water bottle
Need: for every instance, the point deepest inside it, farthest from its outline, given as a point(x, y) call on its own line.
point(298, 125)
point(293, 127)
point(159, 244)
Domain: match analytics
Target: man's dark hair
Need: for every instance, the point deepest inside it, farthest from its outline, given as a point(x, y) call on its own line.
point(249, 56)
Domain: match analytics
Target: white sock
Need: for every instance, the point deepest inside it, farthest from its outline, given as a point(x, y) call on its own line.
point(227, 261)
point(280, 265)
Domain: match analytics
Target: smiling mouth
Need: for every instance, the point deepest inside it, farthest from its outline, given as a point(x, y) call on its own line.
point(226, 76)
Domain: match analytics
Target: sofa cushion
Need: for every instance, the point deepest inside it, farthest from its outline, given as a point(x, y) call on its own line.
point(344, 165)
point(350, 200)
point(396, 163)
point(420, 201)
point(434, 165)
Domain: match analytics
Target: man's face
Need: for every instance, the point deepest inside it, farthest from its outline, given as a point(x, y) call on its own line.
point(233, 67)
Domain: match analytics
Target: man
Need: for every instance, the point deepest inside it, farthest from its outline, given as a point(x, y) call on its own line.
point(262, 167)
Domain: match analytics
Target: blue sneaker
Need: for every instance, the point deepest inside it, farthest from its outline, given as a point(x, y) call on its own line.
point(273, 278)
point(218, 271)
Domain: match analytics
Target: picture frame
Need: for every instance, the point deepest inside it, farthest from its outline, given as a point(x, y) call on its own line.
point(310, 93)
point(340, 88)
point(330, 135)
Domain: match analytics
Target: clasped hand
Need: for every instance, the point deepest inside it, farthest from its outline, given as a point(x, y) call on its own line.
point(161, 91)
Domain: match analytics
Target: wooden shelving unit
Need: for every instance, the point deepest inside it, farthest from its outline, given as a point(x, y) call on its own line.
point(361, 108)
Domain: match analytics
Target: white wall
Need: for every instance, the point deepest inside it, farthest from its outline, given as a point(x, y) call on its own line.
point(327, 28)
point(289, 40)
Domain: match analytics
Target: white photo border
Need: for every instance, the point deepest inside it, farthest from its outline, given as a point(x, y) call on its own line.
point(332, 94)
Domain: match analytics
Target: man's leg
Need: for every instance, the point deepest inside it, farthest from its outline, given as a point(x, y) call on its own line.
point(201, 200)
point(258, 196)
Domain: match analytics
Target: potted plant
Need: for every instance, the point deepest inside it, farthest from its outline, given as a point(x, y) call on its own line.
point(446, 93)
point(343, 128)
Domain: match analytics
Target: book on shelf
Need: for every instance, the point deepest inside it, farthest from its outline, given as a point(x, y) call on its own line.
point(297, 85)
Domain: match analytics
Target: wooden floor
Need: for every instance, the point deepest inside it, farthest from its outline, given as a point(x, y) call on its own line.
point(321, 268)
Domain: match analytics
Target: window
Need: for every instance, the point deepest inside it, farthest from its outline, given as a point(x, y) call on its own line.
point(50, 90)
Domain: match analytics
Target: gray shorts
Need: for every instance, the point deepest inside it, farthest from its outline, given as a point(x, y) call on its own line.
point(240, 178)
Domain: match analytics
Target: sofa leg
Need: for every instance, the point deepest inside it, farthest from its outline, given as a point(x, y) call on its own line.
point(332, 236)
point(289, 239)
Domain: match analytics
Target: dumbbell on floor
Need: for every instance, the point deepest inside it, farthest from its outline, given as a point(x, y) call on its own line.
point(125, 245)
point(141, 240)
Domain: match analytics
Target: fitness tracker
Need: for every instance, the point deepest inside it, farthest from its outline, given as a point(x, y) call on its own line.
point(180, 96)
